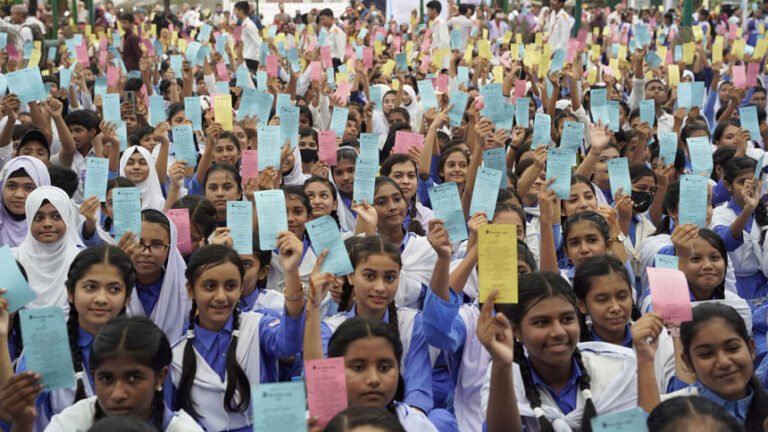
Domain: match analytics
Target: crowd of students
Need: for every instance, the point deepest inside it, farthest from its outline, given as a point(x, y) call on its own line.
point(632, 143)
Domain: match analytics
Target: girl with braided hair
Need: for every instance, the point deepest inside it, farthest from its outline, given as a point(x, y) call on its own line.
point(99, 283)
point(225, 351)
point(539, 371)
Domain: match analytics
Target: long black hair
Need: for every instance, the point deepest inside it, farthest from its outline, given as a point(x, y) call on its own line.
point(533, 288)
point(731, 170)
point(673, 413)
point(140, 339)
point(109, 255)
point(204, 259)
point(386, 170)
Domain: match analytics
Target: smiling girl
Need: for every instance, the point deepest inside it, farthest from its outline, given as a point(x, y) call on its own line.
point(322, 197)
point(403, 170)
point(212, 369)
point(136, 165)
point(21, 175)
point(222, 183)
point(343, 176)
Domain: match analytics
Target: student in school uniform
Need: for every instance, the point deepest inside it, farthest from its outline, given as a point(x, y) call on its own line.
point(555, 383)
point(20, 176)
point(343, 177)
point(402, 169)
point(136, 165)
point(255, 297)
point(129, 359)
point(225, 351)
point(223, 183)
point(99, 285)
point(159, 293)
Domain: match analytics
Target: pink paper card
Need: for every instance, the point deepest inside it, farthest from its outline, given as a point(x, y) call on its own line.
point(82, 55)
point(180, 218)
point(326, 142)
point(249, 164)
point(669, 291)
point(368, 57)
point(113, 75)
point(505, 60)
point(428, 33)
point(607, 71)
point(625, 38)
point(325, 377)
point(573, 49)
point(739, 77)
point(150, 48)
point(315, 71)
point(312, 45)
point(753, 69)
point(732, 31)
point(406, 140)
point(272, 65)
point(672, 34)
point(170, 28)
point(653, 22)
point(342, 90)
point(221, 70)
point(616, 37)
point(325, 55)
point(670, 58)
point(519, 89)
point(425, 63)
point(442, 83)
point(582, 38)
point(350, 52)
point(13, 53)
point(425, 45)
point(397, 41)
point(480, 102)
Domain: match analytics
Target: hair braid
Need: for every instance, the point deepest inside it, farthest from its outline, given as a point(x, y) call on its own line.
point(584, 385)
point(77, 355)
point(237, 381)
point(188, 369)
point(415, 225)
point(531, 392)
point(158, 408)
point(393, 323)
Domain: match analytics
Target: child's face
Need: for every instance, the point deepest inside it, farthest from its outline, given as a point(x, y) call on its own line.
point(253, 273)
point(220, 188)
point(99, 296)
point(601, 166)
point(149, 262)
point(729, 137)
point(371, 371)
point(126, 387)
point(585, 240)
point(344, 176)
point(510, 218)
point(550, 331)
point(721, 359)
point(297, 215)
point(455, 168)
point(35, 149)
point(405, 175)
point(131, 122)
point(148, 142)
point(81, 136)
point(242, 137)
point(737, 187)
point(217, 292)
point(582, 199)
point(48, 226)
point(225, 151)
point(387, 103)
point(178, 118)
point(321, 199)
point(137, 169)
point(374, 284)
point(609, 304)
point(15, 192)
point(390, 206)
point(706, 269)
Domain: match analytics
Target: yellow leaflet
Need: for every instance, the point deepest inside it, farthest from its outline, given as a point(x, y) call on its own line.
point(378, 48)
point(497, 252)
point(102, 35)
point(280, 38)
point(388, 67)
point(738, 48)
point(589, 39)
point(498, 73)
point(595, 52)
point(120, 30)
point(688, 50)
point(622, 52)
point(265, 33)
point(310, 29)
point(468, 55)
point(341, 76)
point(739, 32)
point(408, 52)
point(761, 28)
point(484, 49)
point(674, 75)
point(45, 72)
point(592, 76)
point(537, 39)
point(596, 31)
point(614, 64)
point(34, 59)
point(88, 30)
point(182, 45)
point(760, 49)
point(222, 109)
point(153, 29)
point(547, 51)
point(717, 49)
point(395, 84)
point(514, 54)
point(439, 55)
point(662, 53)
point(507, 37)
point(518, 38)
point(606, 31)
point(543, 66)
point(485, 33)
point(697, 33)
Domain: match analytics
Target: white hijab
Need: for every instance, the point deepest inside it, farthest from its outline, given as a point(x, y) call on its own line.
point(380, 124)
point(151, 194)
point(415, 109)
point(47, 264)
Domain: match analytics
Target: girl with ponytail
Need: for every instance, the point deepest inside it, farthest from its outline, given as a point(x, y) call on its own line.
point(99, 283)
point(129, 362)
point(376, 262)
point(541, 371)
point(225, 351)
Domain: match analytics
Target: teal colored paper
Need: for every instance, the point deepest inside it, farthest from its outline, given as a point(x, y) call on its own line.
point(17, 290)
point(27, 84)
point(205, 33)
point(693, 200)
point(401, 62)
point(96, 175)
point(260, 107)
point(598, 97)
point(427, 93)
point(289, 125)
point(269, 147)
point(521, 111)
point(46, 346)
point(542, 125)
point(697, 93)
point(572, 136)
point(625, 421)
point(447, 206)
point(365, 179)
point(648, 111)
point(221, 44)
point(375, 93)
point(65, 76)
point(618, 172)
point(369, 146)
point(459, 101)
point(240, 222)
point(184, 143)
point(283, 99)
point(701, 155)
point(559, 161)
point(496, 159)
point(614, 120)
point(324, 234)
point(339, 120)
point(748, 117)
point(684, 95)
point(156, 109)
point(463, 75)
point(191, 54)
point(243, 77)
point(176, 61)
point(558, 59)
point(509, 116)
point(222, 87)
point(194, 112)
point(261, 81)
point(668, 147)
point(279, 406)
point(122, 134)
point(456, 40)
point(270, 209)
point(666, 261)
point(111, 107)
point(486, 192)
point(126, 207)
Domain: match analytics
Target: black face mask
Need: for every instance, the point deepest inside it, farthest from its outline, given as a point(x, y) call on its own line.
point(308, 155)
point(642, 201)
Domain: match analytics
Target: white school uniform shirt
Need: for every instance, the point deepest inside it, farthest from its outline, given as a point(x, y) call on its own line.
point(413, 420)
point(613, 373)
point(79, 418)
point(208, 388)
point(475, 360)
point(750, 256)
point(78, 166)
point(251, 40)
point(337, 40)
point(418, 259)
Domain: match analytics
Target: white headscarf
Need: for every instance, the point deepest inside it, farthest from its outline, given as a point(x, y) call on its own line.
point(12, 231)
point(380, 125)
point(151, 194)
point(415, 109)
point(171, 310)
point(47, 264)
